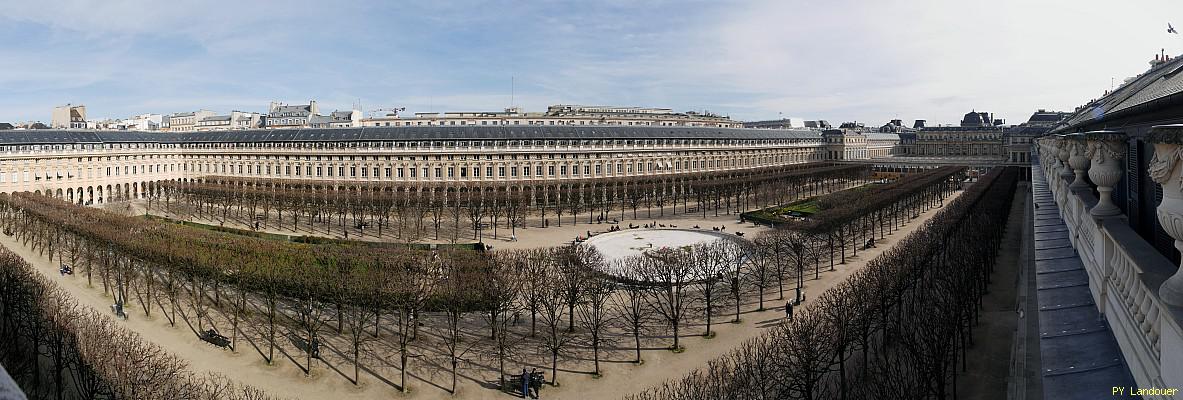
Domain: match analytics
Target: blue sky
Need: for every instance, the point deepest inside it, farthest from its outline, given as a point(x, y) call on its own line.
point(838, 60)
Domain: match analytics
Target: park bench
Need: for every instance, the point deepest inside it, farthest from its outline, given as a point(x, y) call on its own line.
point(537, 378)
point(117, 309)
point(303, 345)
point(66, 270)
point(213, 337)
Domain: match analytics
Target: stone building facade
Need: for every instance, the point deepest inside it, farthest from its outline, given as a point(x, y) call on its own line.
point(92, 167)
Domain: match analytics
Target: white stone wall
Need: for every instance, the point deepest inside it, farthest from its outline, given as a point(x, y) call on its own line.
point(95, 174)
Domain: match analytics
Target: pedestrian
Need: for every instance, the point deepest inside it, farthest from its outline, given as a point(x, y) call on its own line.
point(535, 384)
point(788, 310)
point(525, 384)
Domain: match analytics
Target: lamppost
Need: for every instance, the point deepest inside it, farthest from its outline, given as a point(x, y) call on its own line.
point(119, 300)
point(799, 250)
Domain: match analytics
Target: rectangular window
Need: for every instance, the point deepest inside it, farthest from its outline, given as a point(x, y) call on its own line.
point(551, 170)
point(489, 171)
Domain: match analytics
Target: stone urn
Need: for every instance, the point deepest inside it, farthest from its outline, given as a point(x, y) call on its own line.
point(1165, 169)
point(1106, 152)
point(1063, 153)
point(1078, 160)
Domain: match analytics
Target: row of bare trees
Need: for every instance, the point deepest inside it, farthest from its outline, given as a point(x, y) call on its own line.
point(365, 297)
point(410, 211)
point(56, 348)
point(898, 328)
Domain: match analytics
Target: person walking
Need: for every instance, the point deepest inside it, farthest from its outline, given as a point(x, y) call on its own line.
point(788, 310)
point(525, 384)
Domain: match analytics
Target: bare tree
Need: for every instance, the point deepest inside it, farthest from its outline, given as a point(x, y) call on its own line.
point(414, 280)
point(708, 265)
point(630, 303)
point(594, 312)
point(500, 283)
point(552, 307)
point(670, 272)
point(456, 297)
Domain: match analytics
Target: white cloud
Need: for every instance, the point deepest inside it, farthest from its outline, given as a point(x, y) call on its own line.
point(838, 60)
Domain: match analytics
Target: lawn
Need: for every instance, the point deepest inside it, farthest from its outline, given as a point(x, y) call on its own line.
point(803, 208)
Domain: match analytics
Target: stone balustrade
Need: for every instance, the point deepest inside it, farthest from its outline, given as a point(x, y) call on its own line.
point(1132, 284)
point(1135, 288)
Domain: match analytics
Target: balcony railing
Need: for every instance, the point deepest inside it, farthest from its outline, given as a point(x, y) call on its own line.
point(1125, 272)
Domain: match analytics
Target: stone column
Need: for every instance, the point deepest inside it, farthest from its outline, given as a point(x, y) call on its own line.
point(1164, 169)
point(1105, 151)
point(1078, 160)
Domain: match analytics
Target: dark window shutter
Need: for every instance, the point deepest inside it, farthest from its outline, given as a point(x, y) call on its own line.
point(1162, 241)
point(1133, 181)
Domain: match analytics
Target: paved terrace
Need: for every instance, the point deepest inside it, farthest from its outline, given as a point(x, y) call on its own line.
point(1080, 356)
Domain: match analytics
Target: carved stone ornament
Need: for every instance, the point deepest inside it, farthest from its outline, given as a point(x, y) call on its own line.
point(1164, 170)
point(1105, 152)
point(1078, 160)
point(1065, 152)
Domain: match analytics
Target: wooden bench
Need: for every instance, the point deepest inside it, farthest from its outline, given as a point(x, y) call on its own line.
point(213, 337)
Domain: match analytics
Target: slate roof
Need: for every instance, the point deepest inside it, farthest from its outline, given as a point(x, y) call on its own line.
point(298, 109)
point(55, 136)
point(527, 132)
point(882, 136)
point(1161, 86)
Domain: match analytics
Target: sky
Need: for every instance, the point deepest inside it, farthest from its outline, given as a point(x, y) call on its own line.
point(838, 60)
